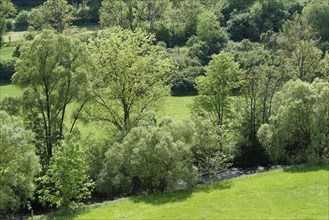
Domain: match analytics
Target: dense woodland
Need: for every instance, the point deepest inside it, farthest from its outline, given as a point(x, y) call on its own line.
point(259, 70)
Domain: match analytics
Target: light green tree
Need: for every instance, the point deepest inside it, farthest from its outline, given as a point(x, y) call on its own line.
point(151, 158)
point(18, 164)
point(131, 77)
point(222, 76)
point(298, 130)
point(210, 32)
point(57, 14)
point(53, 69)
point(209, 155)
point(6, 9)
point(146, 14)
point(65, 183)
point(316, 14)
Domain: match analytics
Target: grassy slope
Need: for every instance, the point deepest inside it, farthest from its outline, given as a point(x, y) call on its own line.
point(294, 193)
point(6, 52)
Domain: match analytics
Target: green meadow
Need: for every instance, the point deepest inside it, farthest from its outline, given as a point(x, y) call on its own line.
point(292, 193)
point(176, 107)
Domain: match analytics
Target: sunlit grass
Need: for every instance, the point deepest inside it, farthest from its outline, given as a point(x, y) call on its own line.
point(176, 107)
point(293, 193)
point(10, 90)
point(6, 52)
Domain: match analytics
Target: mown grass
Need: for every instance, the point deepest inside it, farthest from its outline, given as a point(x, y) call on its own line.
point(14, 36)
point(293, 193)
point(6, 52)
point(173, 106)
point(6, 89)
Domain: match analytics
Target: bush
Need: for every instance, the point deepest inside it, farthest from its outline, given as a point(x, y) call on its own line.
point(65, 182)
point(153, 158)
point(208, 152)
point(7, 68)
point(18, 164)
point(9, 25)
point(22, 20)
point(298, 130)
point(11, 105)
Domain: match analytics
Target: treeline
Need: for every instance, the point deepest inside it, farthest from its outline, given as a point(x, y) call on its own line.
point(260, 68)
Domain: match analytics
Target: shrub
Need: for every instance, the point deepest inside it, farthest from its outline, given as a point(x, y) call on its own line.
point(208, 152)
point(22, 20)
point(11, 105)
point(18, 163)
point(298, 130)
point(7, 69)
point(150, 159)
point(65, 182)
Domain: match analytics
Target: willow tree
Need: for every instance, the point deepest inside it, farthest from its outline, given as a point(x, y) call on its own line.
point(131, 77)
point(53, 70)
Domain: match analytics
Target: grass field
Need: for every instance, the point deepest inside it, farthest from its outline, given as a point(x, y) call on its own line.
point(292, 193)
point(10, 90)
point(6, 52)
point(173, 106)
point(14, 36)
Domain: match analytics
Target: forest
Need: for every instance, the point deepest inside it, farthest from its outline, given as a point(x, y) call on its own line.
point(94, 79)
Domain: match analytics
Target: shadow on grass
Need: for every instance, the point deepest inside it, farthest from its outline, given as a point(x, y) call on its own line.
point(179, 196)
point(154, 199)
point(307, 168)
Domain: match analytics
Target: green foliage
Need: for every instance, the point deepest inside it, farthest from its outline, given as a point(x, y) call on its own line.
point(7, 69)
point(187, 70)
point(65, 184)
point(209, 155)
point(11, 105)
point(317, 15)
point(132, 14)
point(182, 21)
point(22, 20)
point(6, 9)
point(261, 17)
point(133, 79)
point(151, 158)
point(297, 193)
point(18, 164)
point(57, 14)
point(298, 128)
point(210, 32)
point(222, 76)
point(53, 69)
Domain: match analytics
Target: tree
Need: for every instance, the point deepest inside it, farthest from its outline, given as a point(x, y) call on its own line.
point(316, 14)
point(302, 58)
point(182, 21)
point(57, 14)
point(210, 32)
point(131, 77)
point(65, 182)
point(209, 155)
point(186, 72)
point(18, 164)
point(53, 69)
point(152, 158)
point(222, 76)
point(263, 77)
point(305, 61)
point(147, 14)
point(298, 130)
point(6, 9)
